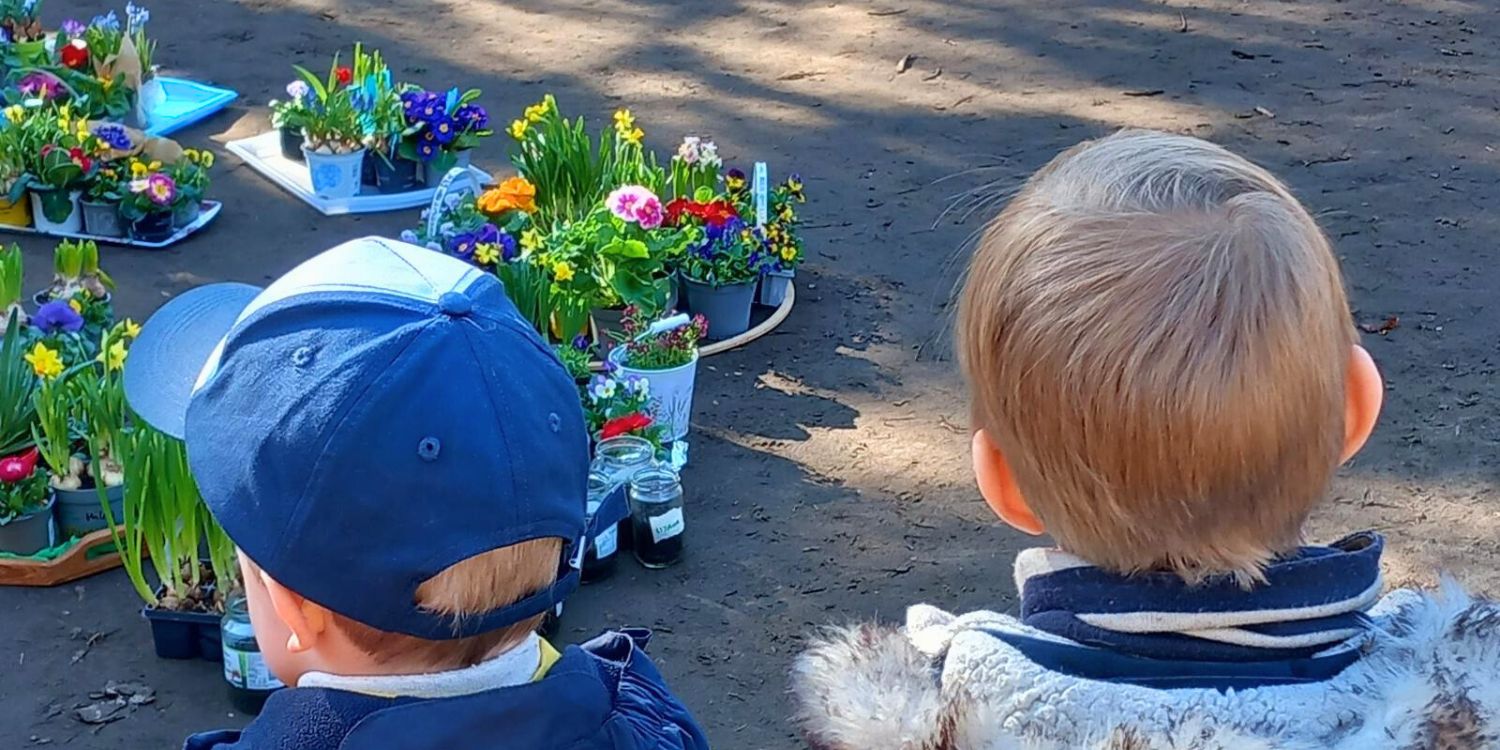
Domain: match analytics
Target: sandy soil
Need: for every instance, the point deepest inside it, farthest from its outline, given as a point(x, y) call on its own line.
point(829, 478)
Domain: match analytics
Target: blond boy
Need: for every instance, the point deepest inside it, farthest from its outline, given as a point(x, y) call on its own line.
point(403, 463)
point(1165, 378)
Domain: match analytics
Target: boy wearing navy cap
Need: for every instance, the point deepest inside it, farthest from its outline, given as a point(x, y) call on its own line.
point(403, 464)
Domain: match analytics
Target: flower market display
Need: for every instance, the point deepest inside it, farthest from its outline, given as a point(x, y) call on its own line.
point(354, 139)
point(67, 175)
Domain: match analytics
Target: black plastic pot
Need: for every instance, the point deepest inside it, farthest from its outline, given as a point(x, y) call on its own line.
point(155, 227)
point(397, 175)
point(291, 144)
point(185, 635)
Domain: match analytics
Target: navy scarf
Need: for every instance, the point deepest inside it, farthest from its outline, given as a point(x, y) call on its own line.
point(1312, 600)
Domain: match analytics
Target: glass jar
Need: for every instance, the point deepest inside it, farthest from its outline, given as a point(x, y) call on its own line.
point(656, 516)
point(250, 680)
point(618, 459)
point(602, 548)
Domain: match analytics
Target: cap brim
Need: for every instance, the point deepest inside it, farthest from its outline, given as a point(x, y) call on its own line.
point(166, 359)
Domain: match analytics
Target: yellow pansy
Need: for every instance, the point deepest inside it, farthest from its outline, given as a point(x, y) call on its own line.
point(76, 305)
point(531, 240)
point(518, 129)
point(138, 170)
point(191, 155)
point(132, 328)
point(154, 166)
point(562, 271)
point(536, 112)
point(15, 113)
point(788, 252)
point(114, 359)
point(487, 254)
point(46, 363)
point(207, 159)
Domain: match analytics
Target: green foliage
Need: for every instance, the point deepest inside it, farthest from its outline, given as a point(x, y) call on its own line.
point(17, 385)
point(10, 277)
point(332, 123)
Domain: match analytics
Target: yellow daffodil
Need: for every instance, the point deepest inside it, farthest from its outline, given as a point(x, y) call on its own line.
point(15, 113)
point(634, 136)
point(77, 307)
point(531, 240)
point(138, 170)
point(115, 358)
point(132, 328)
point(624, 121)
point(46, 363)
point(536, 112)
point(487, 254)
point(518, 129)
point(562, 271)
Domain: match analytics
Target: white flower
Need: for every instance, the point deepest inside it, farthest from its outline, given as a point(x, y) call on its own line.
point(688, 152)
point(708, 155)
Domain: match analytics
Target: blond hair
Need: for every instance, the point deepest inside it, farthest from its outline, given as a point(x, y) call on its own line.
point(1156, 336)
point(474, 586)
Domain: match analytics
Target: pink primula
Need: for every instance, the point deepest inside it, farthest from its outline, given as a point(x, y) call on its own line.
point(638, 204)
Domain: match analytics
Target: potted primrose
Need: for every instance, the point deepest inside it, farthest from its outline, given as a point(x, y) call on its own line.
point(26, 503)
point(60, 161)
point(289, 117)
point(151, 202)
point(165, 525)
point(190, 173)
point(665, 355)
point(334, 134)
point(442, 128)
point(719, 273)
point(101, 203)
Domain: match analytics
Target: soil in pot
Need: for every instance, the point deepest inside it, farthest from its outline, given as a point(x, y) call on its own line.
point(186, 214)
point(394, 174)
point(56, 211)
point(291, 144)
point(28, 534)
point(727, 307)
point(80, 513)
point(102, 219)
point(187, 627)
point(155, 227)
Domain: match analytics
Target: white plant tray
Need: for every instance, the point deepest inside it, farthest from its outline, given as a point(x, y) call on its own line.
point(263, 154)
point(207, 213)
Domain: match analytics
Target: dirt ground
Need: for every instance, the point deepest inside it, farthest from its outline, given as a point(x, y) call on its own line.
point(829, 476)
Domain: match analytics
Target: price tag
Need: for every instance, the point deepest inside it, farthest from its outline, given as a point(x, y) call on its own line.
point(760, 191)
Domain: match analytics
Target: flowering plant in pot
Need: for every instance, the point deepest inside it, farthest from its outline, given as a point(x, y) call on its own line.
point(720, 271)
point(79, 282)
point(694, 167)
point(441, 128)
point(26, 504)
point(190, 173)
point(783, 240)
point(334, 131)
point(12, 314)
point(61, 155)
point(164, 525)
point(21, 28)
point(80, 413)
point(15, 209)
point(18, 382)
point(289, 116)
point(151, 202)
point(665, 354)
point(96, 67)
point(101, 202)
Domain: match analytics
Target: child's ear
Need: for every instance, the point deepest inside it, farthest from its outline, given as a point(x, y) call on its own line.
point(999, 488)
point(306, 620)
point(1364, 392)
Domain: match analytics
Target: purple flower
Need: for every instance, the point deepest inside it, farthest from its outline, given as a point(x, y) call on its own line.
point(472, 117)
point(298, 90)
point(109, 22)
point(115, 136)
point(581, 343)
point(57, 316)
point(508, 249)
point(430, 108)
point(73, 27)
point(443, 130)
point(488, 234)
point(5, 37)
point(426, 150)
point(463, 245)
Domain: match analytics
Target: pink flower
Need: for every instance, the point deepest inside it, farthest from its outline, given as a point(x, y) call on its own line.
point(638, 204)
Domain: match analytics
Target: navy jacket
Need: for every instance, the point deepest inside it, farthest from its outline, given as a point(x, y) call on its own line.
point(605, 695)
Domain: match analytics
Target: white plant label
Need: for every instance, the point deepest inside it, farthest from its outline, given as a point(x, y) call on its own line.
point(247, 669)
point(666, 525)
point(761, 192)
point(605, 544)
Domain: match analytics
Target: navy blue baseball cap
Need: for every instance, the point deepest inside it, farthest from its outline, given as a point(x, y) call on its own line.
point(375, 416)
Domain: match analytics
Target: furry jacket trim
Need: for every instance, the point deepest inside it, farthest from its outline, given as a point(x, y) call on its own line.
point(1429, 678)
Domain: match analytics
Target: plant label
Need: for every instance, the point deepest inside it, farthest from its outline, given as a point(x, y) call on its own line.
point(760, 191)
point(666, 525)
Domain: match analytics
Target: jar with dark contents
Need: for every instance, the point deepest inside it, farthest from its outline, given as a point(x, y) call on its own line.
point(250, 680)
point(656, 518)
point(603, 547)
point(618, 459)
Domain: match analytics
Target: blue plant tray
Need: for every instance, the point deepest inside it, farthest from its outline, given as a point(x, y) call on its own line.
point(186, 103)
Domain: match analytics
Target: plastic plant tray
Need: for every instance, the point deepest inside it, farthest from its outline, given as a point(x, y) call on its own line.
point(186, 103)
point(206, 214)
point(263, 154)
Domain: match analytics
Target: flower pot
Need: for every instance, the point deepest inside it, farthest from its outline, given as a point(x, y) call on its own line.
point(185, 635)
point(334, 175)
point(102, 219)
point(56, 211)
point(28, 534)
point(397, 175)
point(17, 214)
point(607, 323)
point(156, 227)
point(727, 307)
point(186, 214)
point(367, 170)
point(291, 143)
point(433, 171)
point(671, 393)
point(774, 286)
point(79, 511)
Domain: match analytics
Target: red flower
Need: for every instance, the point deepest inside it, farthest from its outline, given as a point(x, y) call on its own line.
point(18, 467)
point(718, 213)
point(675, 209)
point(344, 75)
point(81, 159)
point(625, 425)
point(75, 55)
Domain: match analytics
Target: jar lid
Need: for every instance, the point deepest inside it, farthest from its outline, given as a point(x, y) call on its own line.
point(654, 480)
point(625, 449)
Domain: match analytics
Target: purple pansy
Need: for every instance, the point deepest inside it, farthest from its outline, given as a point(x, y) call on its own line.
point(57, 317)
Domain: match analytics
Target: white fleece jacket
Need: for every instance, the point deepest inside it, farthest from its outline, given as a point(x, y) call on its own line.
point(1429, 679)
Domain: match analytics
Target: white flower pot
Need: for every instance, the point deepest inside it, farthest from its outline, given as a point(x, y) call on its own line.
point(671, 393)
point(73, 224)
point(334, 175)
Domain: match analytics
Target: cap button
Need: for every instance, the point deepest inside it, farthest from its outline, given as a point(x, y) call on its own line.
point(455, 303)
